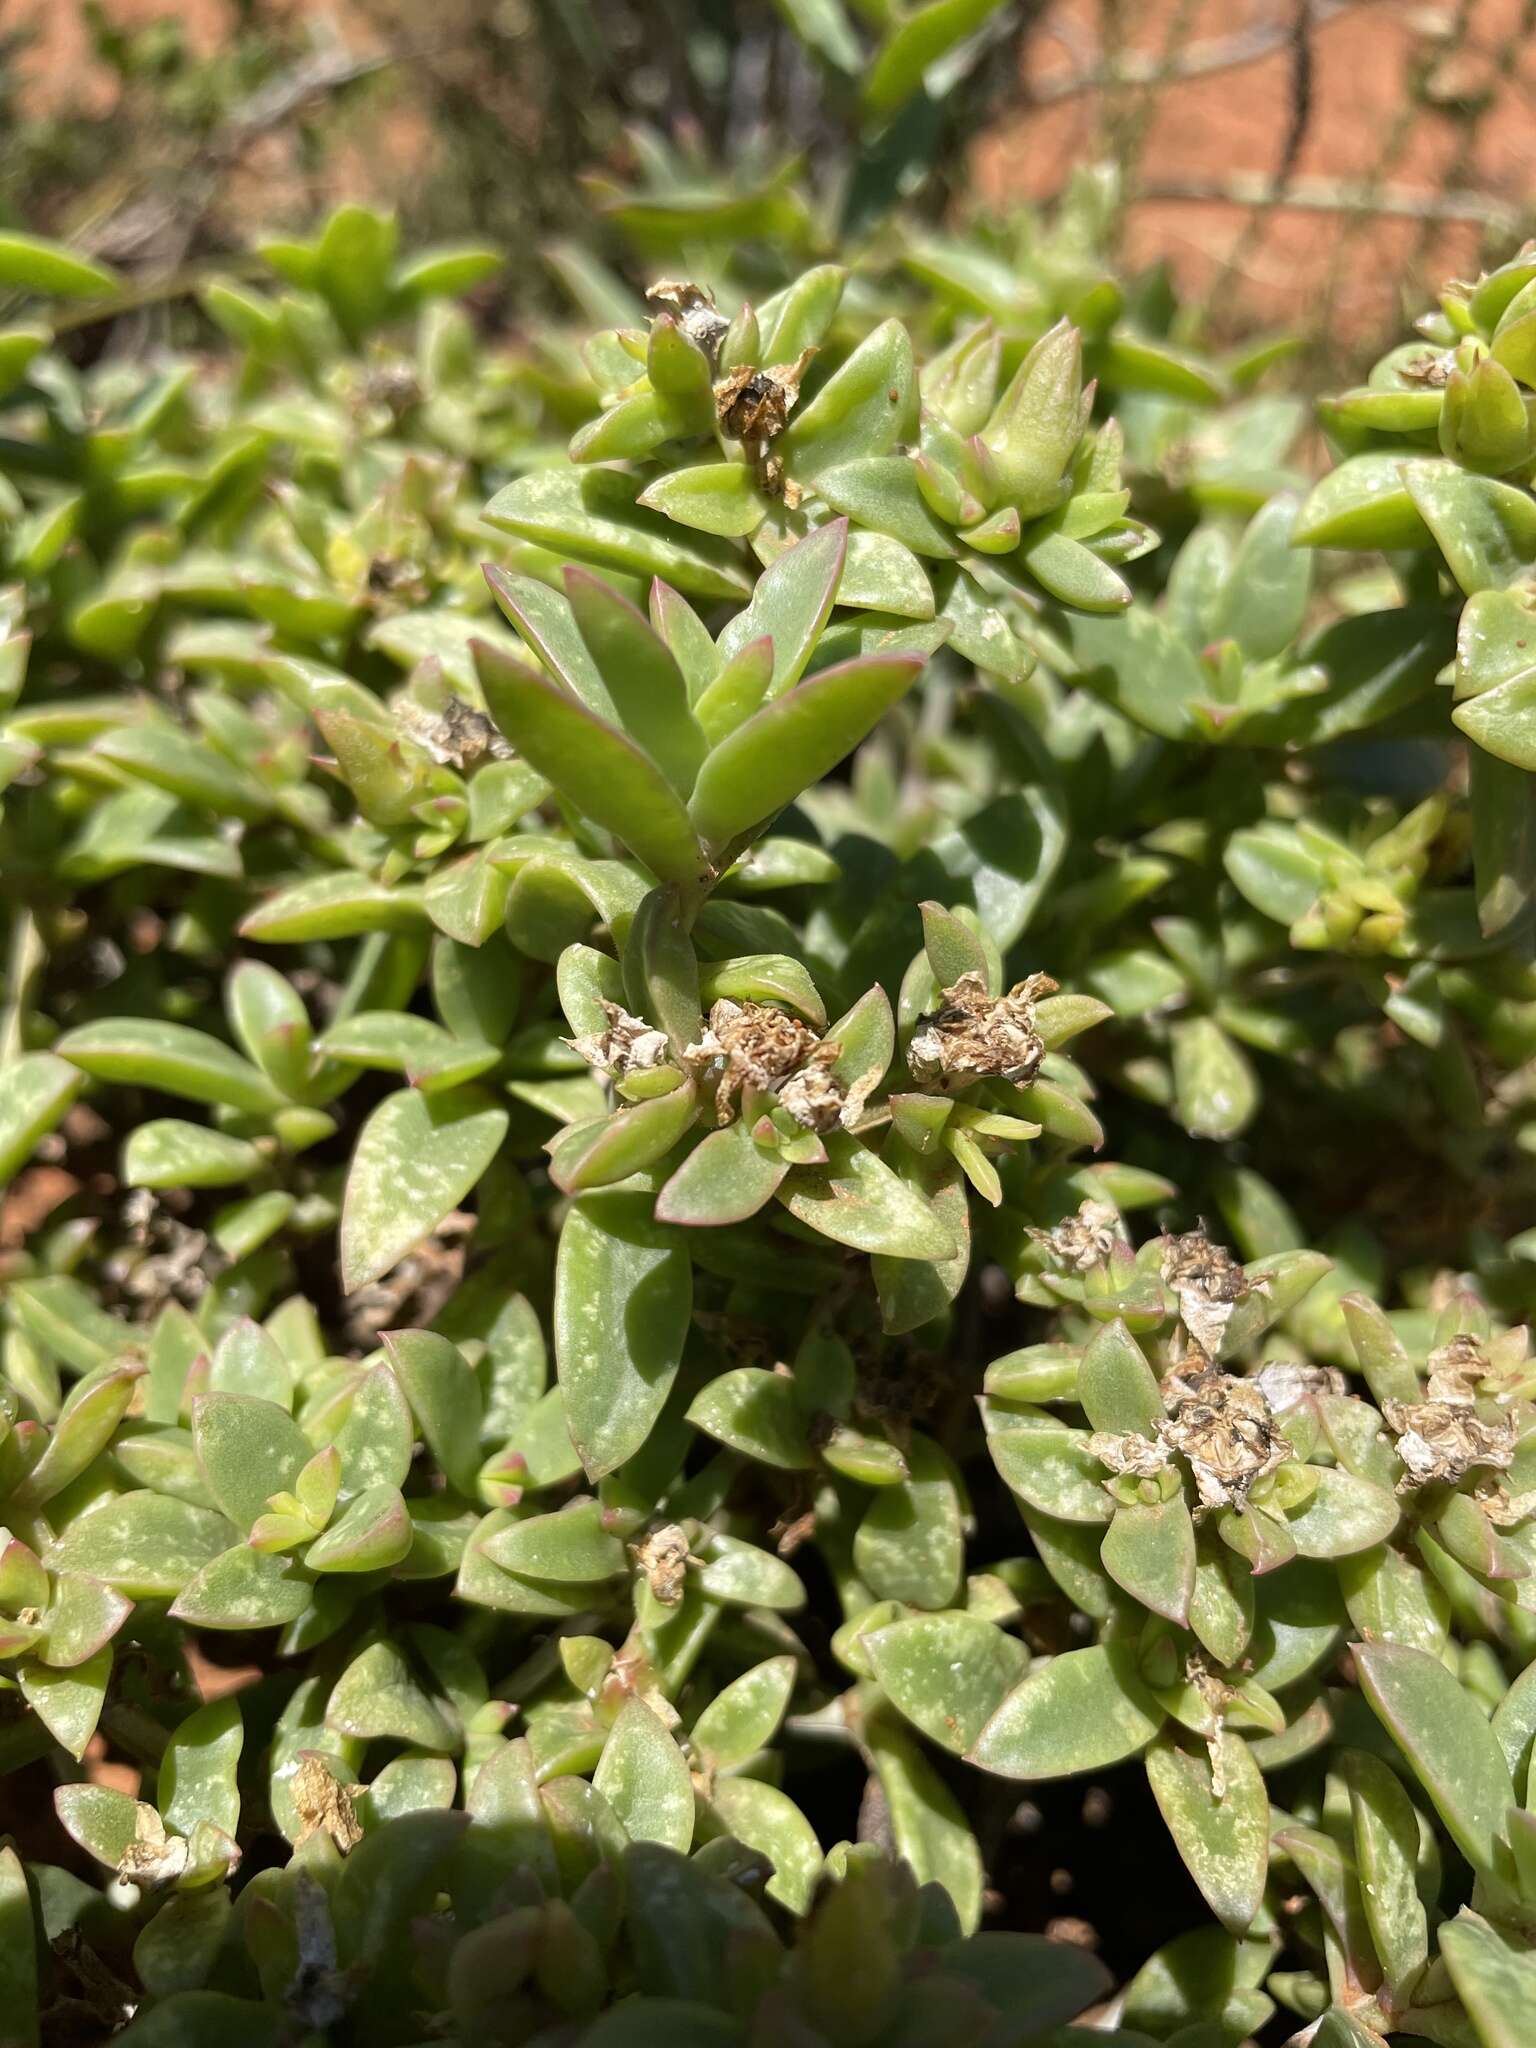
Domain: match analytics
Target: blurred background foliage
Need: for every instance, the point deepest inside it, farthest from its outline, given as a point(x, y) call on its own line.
point(1319, 164)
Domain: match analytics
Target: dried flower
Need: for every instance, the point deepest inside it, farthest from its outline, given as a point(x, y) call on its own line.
point(456, 735)
point(752, 1046)
point(1209, 1284)
point(1455, 1370)
point(1084, 1240)
point(153, 1857)
point(323, 1803)
point(975, 1036)
point(753, 406)
point(663, 1558)
point(1504, 1509)
point(1441, 1441)
point(1286, 1382)
point(694, 306)
point(1432, 368)
point(1137, 1457)
point(814, 1096)
point(1224, 1427)
point(628, 1045)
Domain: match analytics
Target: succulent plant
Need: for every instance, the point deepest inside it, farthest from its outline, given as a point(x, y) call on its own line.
point(746, 1105)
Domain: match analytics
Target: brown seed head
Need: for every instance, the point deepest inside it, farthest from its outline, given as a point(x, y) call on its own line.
point(323, 1803)
point(1084, 1240)
point(751, 1046)
point(628, 1045)
point(974, 1036)
point(1209, 1283)
point(1441, 1441)
point(694, 308)
point(753, 406)
point(1224, 1427)
point(457, 736)
point(662, 1558)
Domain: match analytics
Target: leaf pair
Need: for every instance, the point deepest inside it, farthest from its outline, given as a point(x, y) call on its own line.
point(677, 747)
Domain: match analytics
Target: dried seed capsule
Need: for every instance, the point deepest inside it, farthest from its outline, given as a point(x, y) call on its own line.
point(1084, 1240)
point(1442, 1441)
point(662, 1557)
point(975, 1036)
point(750, 1046)
point(1209, 1283)
point(628, 1046)
point(694, 305)
point(1224, 1427)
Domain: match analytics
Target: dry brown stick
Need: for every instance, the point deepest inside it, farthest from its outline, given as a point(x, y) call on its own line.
point(1335, 195)
point(182, 282)
point(1138, 122)
point(1396, 138)
point(197, 177)
point(1471, 122)
point(1247, 242)
point(316, 77)
point(1216, 53)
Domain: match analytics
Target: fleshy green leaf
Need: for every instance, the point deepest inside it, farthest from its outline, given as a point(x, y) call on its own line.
point(623, 1299)
point(744, 1716)
point(600, 769)
point(856, 1200)
point(28, 263)
point(35, 1091)
point(591, 515)
point(864, 408)
point(1221, 1829)
point(248, 1449)
point(172, 1057)
point(1495, 1979)
point(644, 1777)
point(445, 1397)
point(756, 1413)
point(1446, 1738)
point(715, 497)
point(1081, 1711)
point(927, 1825)
point(910, 1544)
point(767, 1820)
point(947, 1672)
point(197, 1774)
point(416, 1158)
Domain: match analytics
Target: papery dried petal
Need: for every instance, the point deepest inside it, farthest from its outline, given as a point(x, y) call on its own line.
point(1209, 1283)
point(1286, 1382)
point(628, 1045)
point(662, 1558)
point(1455, 1369)
point(975, 1036)
point(1225, 1429)
point(1441, 1441)
point(1139, 1457)
point(323, 1803)
point(153, 1857)
point(1084, 1240)
point(694, 306)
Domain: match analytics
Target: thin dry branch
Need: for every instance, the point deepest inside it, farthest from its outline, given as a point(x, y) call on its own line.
point(315, 78)
point(1215, 53)
point(1338, 195)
